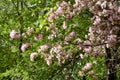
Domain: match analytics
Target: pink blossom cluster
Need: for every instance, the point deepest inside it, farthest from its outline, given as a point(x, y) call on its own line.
point(87, 68)
point(58, 52)
point(63, 9)
point(54, 31)
point(103, 33)
point(44, 51)
point(105, 29)
point(69, 37)
point(44, 48)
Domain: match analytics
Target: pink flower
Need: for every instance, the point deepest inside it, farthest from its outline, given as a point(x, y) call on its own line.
point(81, 56)
point(64, 25)
point(88, 66)
point(81, 73)
point(110, 5)
point(49, 60)
point(87, 42)
point(14, 34)
point(88, 50)
point(63, 4)
point(25, 46)
point(33, 56)
point(112, 39)
point(52, 26)
point(72, 34)
point(119, 9)
point(104, 4)
point(92, 29)
point(98, 2)
point(43, 48)
point(39, 37)
point(97, 20)
point(52, 17)
point(59, 11)
point(91, 73)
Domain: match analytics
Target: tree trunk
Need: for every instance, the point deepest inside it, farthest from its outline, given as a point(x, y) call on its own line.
point(111, 62)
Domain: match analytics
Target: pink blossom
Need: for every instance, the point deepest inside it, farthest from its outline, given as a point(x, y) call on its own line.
point(33, 56)
point(104, 4)
point(52, 17)
point(81, 73)
point(88, 66)
point(97, 20)
point(87, 42)
point(14, 34)
point(64, 25)
point(72, 34)
point(52, 26)
point(110, 5)
point(88, 50)
point(81, 56)
point(25, 46)
point(39, 37)
point(92, 29)
point(112, 39)
point(51, 36)
point(91, 36)
point(43, 48)
point(98, 2)
point(49, 60)
point(63, 4)
point(119, 9)
point(59, 11)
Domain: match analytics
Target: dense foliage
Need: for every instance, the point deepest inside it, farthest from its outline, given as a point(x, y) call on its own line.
point(54, 40)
